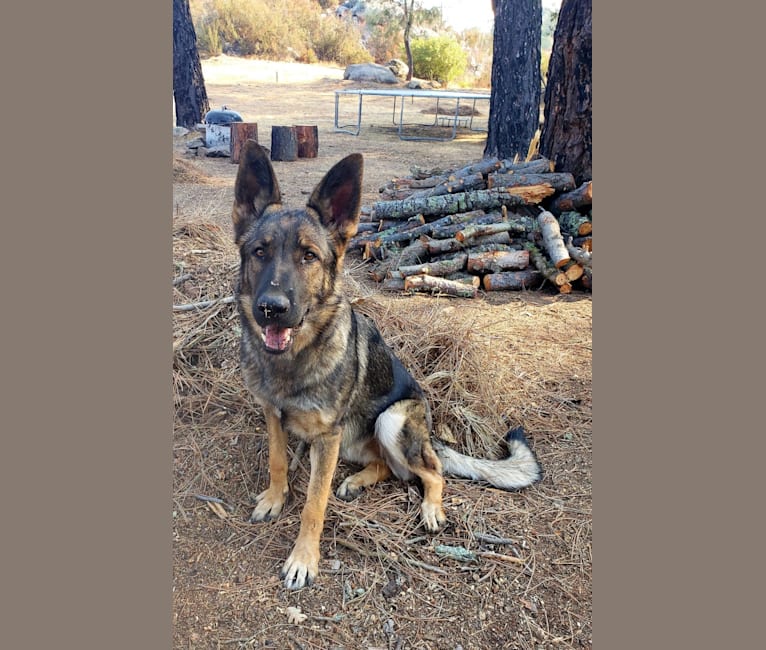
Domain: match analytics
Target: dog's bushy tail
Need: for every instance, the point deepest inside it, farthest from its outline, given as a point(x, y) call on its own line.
point(519, 469)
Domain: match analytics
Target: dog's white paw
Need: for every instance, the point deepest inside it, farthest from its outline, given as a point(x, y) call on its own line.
point(433, 516)
point(268, 505)
point(301, 568)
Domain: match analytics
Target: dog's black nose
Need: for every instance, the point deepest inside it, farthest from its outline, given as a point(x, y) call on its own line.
point(273, 304)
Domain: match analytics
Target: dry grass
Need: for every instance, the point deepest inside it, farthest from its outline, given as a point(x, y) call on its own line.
point(485, 368)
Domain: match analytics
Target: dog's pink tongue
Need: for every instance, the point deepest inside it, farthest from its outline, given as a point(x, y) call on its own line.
point(277, 338)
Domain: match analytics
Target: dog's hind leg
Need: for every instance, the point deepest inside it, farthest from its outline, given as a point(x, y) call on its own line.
point(375, 471)
point(402, 430)
point(270, 502)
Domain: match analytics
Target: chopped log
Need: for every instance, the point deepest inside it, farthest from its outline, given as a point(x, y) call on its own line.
point(449, 204)
point(484, 167)
point(532, 194)
point(284, 143)
point(575, 224)
point(431, 284)
point(537, 166)
point(415, 253)
point(561, 182)
point(439, 246)
point(494, 261)
point(442, 267)
point(586, 243)
point(241, 132)
point(393, 284)
point(367, 227)
point(474, 230)
point(465, 183)
point(587, 279)
point(512, 280)
point(552, 239)
point(549, 272)
point(576, 200)
point(517, 225)
point(579, 255)
point(308, 140)
point(573, 271)
point(497, 240)
point(465, 278)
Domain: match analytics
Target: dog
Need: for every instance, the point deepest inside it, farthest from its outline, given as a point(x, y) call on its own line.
point(322, 372)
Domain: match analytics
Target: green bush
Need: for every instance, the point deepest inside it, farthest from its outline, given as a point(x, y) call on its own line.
point(439, 58)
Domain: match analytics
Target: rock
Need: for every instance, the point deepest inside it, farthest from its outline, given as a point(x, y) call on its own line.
point(218, 152)
point(399, 68)
point(179, 131)
point(369, 72)
point(196, 143)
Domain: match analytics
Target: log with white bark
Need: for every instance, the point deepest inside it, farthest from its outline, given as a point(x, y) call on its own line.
point(431, 284)
point(512, 280)
point(497, 260)
point(552, 239)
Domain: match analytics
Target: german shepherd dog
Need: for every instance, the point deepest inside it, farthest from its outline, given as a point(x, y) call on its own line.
point(321, 371)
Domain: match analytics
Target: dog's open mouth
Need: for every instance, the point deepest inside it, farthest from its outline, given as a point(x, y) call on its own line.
point(278, 339)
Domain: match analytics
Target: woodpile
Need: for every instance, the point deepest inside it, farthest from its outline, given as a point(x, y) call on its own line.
point(495, 225)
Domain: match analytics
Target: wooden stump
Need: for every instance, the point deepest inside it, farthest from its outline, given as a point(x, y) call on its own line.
point(241, 132)
point(284, 143)
point(308, 141)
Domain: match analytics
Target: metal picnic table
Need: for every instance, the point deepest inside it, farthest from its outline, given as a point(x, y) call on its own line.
point(403, 93)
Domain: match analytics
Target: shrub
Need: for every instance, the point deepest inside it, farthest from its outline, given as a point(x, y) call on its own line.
point(439, 58)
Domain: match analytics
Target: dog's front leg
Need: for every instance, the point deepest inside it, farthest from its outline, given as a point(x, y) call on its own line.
point(270, 502)
point(302, 566)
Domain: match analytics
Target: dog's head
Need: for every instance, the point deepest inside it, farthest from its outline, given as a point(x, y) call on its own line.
point(291, 259)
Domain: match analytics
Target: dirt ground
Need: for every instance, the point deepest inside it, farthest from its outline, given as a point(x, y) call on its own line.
point(384, 582)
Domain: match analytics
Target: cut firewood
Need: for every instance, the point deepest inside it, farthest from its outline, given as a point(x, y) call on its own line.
point(586, 243)
point(552, 239)
point(550, 272)
point(580, 256)
point(465, 278)
point(579, 198)
point(512, 280)
point(494, 261)
point(449, 204)
point(573, 271)
point(575, 224)
point(431, 284)
point(560, 182)
point(443, 267)
point(537, 166)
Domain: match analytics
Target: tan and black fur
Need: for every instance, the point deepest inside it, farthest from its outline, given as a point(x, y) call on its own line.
point(321, 371)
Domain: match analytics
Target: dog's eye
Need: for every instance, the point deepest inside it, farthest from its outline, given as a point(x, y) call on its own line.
point(258, 251)
point(309, 256)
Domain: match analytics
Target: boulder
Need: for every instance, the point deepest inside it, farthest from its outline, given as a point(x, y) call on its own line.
point(370, 72)
point(398, 67)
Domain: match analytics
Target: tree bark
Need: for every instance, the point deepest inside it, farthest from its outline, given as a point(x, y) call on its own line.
point(514, 105)
point(188, 84)
point(494, 261)
point(567, 132)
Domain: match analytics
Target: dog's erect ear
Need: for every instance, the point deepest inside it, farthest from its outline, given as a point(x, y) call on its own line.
point(255, 188)
point(338, 197)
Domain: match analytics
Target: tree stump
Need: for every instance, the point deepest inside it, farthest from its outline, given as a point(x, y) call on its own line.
point(308, 141)
point(241, 132)
point(284, 143)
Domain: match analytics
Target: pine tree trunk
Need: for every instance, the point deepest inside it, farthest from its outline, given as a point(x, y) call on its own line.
point(514, 107)
point(188, 84)
point(567, 132)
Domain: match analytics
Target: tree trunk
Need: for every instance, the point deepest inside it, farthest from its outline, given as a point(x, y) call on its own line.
point(409, 6)
point(567, 132)
point(514, 106)
point(188, 84)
